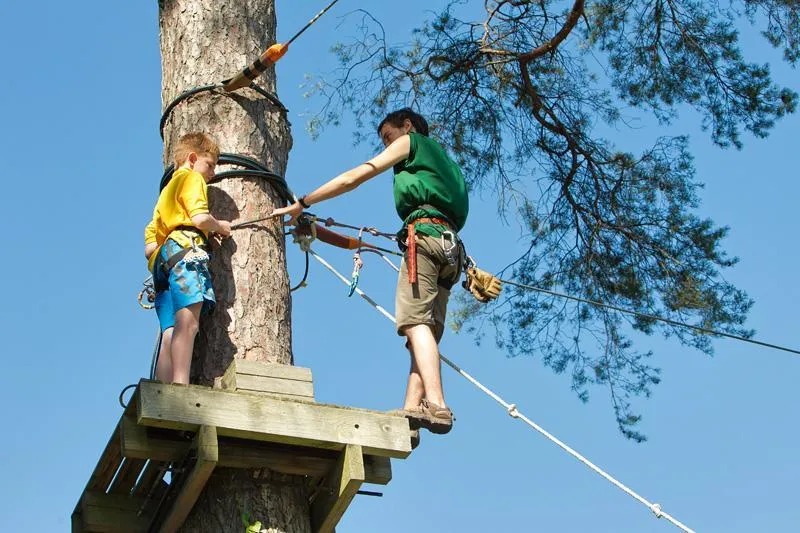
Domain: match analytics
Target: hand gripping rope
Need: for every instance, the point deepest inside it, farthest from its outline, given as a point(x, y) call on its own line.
point(512, 411)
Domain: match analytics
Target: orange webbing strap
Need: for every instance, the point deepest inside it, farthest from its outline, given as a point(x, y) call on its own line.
point(336, 239)
point(412, 254)
point(250, 73)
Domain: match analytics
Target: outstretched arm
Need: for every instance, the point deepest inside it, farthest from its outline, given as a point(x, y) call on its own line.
point(347, 181)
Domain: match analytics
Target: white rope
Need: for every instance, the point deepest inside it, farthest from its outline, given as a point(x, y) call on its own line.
point(512, 411)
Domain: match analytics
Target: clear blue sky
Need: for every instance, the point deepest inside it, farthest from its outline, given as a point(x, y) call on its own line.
point(83, 161)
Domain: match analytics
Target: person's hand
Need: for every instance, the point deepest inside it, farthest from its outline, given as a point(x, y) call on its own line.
point(224, 230)
point(293, 211)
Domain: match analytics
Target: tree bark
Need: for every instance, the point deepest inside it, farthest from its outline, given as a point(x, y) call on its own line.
point(204, 42)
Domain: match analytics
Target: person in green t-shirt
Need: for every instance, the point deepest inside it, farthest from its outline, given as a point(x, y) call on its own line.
point(430, 197)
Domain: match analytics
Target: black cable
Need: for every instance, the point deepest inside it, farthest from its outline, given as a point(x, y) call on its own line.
point(651, 317)
point(273, 99)
point(253, 169)
point(121, 394)
point(305, 277)
point(156, 353)
point(311, 23)
point(180, 98)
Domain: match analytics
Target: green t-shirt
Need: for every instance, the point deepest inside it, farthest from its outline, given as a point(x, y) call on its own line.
point(429, 177)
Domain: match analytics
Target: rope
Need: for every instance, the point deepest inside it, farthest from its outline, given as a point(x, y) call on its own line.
point(156, 353)
point(513, 412)
point(270, 56)
point(372, 231)
point(208, 88)
point(310, 23)
point(305, 278)
point(699, 329)
point(121, 394)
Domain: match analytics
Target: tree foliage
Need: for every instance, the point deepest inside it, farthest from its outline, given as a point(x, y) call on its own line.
point(521, 93)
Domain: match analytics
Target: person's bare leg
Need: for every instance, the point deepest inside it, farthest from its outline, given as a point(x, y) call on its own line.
point(187, 324)
point(164, 364)
point(415, 390)
point(425, 351)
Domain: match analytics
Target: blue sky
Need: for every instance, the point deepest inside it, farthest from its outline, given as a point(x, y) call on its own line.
point(81, 102)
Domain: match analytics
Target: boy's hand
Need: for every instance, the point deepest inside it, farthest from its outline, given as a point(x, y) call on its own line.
point(224, 228)
point(293, 211)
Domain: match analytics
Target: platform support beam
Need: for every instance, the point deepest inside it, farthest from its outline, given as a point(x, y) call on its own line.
point(338, 489)
point(207, 451)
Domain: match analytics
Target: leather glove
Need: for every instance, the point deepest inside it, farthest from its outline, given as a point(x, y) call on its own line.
point(483, 285)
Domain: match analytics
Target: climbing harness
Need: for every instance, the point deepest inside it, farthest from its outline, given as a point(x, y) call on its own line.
point(271, 56)
point(515, 413)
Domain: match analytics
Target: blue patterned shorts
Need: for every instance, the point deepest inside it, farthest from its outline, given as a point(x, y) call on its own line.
point(189, 283)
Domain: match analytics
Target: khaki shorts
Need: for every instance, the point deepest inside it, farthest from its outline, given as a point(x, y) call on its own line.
point(425, 302)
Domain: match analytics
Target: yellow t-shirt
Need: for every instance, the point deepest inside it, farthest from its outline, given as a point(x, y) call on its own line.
point(185, 196)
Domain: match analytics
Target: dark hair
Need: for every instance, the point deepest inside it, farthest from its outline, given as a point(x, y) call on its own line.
point(396, 119)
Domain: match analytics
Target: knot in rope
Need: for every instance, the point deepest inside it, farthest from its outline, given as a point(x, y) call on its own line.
point(656, 508)
point(513, 412)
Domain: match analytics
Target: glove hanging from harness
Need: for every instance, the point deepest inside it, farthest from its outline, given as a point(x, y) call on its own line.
point(484, 286)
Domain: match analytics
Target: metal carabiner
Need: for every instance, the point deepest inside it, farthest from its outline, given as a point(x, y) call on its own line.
point(357, 264)
point(148, 291)
point(449, 243)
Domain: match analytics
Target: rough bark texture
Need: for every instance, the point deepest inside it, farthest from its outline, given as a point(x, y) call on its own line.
point(204, 42)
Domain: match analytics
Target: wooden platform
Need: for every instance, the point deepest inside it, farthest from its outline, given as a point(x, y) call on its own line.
point(261, 416)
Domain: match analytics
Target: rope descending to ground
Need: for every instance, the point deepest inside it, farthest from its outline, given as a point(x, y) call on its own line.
point(512, 410)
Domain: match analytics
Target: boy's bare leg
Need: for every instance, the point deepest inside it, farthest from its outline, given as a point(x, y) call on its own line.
point(425, 351)
point(164, 364)
point(187, 323)
point(415, 390)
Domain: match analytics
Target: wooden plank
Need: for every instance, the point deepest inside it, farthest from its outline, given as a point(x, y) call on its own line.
point(339, 489)
point(377, 470)
point(166, 446)
point(259, 417)
point(302, 389)
point(103, 473)
point(108, 464)
point(153, 472)
point(112, 513)
point(138, 444)
point(207, 456)
point(126, 477)
point(77, 522)
point(271, 370)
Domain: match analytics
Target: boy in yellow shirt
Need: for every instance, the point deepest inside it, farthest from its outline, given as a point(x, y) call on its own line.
point(176, 246)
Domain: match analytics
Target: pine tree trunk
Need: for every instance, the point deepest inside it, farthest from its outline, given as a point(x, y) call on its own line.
point(204, 42)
